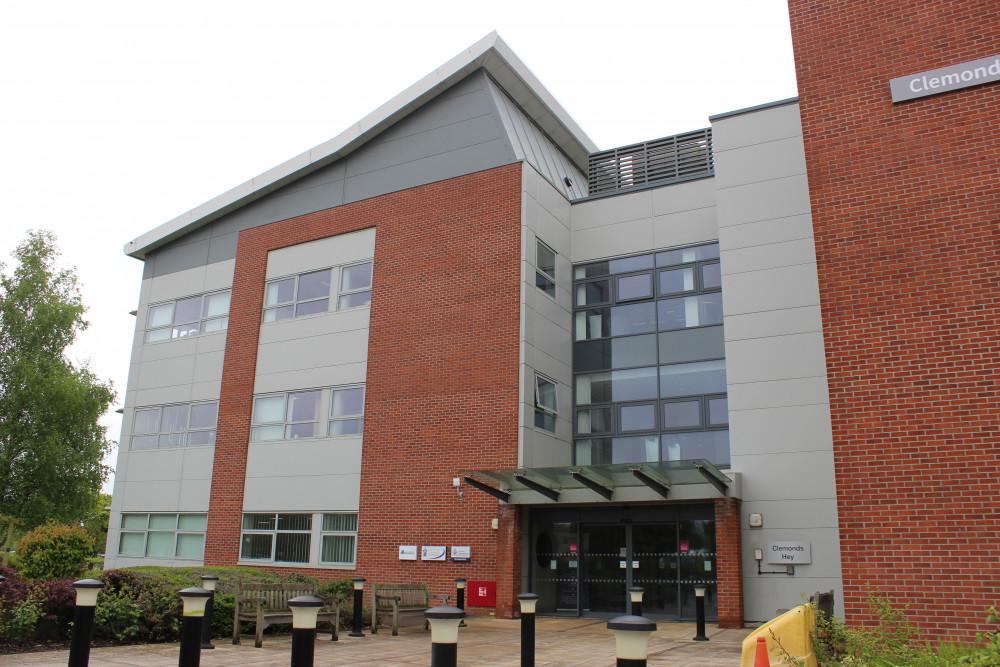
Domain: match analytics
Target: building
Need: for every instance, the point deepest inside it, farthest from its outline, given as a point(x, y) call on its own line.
point(458, 340)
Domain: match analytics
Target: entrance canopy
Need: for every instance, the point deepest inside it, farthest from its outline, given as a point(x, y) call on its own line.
point(691, 479)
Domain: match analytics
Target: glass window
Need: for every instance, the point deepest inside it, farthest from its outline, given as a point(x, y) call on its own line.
point(591, 270)
point(188, 317)
point(187, 424)
point(687, 255)
point(288, 534)
point(638, 418)
point(279, 291)
point(339, 539)
point(545, 264)
point(546, 406)
point(690, 311)
point(314, 285)
point(682, 414)
point(594, 420)
point(163, 535)
point(592, 451)
point(347, 407)
point(633, 384)
point(593, 324)
point(633, 351)
point(635, 449)
point(702, 377)
point(711, 445)
point(355, 286)
point(593, 388)
point(592, 293)
point(676, 280)
point(311, 293)
point(628, 264)
point(711, 275)
point(633, 318)
point(298, 414)
point(718, 411)
point(638, 286)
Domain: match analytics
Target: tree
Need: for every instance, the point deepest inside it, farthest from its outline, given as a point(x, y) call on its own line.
point(95, 521)
point(51, 444)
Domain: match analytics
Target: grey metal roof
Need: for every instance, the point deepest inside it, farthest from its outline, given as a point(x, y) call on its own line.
point(490, 53)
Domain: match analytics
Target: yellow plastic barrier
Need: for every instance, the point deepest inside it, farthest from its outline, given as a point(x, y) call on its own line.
point(792, 629)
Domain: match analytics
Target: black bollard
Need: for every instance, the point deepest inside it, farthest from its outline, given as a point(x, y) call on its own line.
point(359, 591)
point(194, 600)
point(528, 602)
point(83, 620)
point(635, 596)
point(208, 582)
point(444, 635)
point(631, 639)
point(699, 611)
point(460, 586)
point(305, 609)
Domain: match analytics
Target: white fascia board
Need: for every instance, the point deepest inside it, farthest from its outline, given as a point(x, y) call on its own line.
point(490, 53)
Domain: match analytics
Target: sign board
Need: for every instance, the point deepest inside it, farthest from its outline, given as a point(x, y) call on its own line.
point(433, 553)
point(945, 79)
point(788, 553)
point(408, 552)
point(461, 554)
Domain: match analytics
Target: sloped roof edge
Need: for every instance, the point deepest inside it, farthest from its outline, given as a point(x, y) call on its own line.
point(490, 53)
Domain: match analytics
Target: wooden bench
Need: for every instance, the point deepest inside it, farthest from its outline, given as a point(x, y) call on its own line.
point(396, 599)
point(267, 604)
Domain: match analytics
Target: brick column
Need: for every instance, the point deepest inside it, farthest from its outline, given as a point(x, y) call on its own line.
point(728, 562)
point(508, 561)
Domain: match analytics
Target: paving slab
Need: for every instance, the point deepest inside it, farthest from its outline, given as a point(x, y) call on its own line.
point(487, 641)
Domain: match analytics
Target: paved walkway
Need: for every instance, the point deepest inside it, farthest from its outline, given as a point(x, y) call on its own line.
point(487, 641)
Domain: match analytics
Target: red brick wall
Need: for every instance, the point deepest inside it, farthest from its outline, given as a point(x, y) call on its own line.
point(728, 560)
point(905, 209)
point(442, 385)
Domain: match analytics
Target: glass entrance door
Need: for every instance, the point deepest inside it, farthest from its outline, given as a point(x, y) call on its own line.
point(655, 567)
point(603, 568)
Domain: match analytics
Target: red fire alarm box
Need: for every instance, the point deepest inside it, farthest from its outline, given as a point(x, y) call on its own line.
point(481, 594)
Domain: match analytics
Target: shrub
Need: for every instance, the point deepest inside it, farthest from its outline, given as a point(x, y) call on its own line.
point(54, 552)
point(18, 623)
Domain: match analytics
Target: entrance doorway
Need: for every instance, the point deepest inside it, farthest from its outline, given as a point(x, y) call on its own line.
point(584, 560)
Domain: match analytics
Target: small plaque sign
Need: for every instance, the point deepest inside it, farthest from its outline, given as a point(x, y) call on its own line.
point(461, 554)
point(945, 79)
point(408, 552)
point(788, 553)
point(433, 553)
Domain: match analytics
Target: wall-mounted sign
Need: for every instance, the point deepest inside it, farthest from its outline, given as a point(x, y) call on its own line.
point(433, 553)
point(408, 552)
point(461, 554)
point(788, 553)
point(685, 546)
point(945, 79)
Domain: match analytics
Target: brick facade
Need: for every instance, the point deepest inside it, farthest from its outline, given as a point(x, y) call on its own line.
point(443, 377)
point(905, 202)
point(728, 541)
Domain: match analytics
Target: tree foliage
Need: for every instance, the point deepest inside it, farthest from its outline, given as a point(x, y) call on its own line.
point(51, 444)
point(54, 552)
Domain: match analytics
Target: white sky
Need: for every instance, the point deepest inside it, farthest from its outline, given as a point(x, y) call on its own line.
point(116, 116)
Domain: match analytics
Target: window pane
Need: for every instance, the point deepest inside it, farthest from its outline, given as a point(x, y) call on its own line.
point(545, 420)
point(268, 409)
point(684, 414)
point(347, 427)
point(711, 276)
point(275, 314)
point(348, 402)
point(718, 411)
point(312, 307)
point(596, 451)
point(633, 351)
point(596, 292)
point(291, 548)
point(545, 259)
point(134, 521)
point(638, 417)
point(201, 437)
point(685, 255)
point(591, 270)
point(356, 277)
point(144, 442)
point(218, 324)
point(204, 415)
point(635, 287)
point(703, 377)
point(258, 522)
point(593, 324)
point(631, 264)
point(545, 283)
point(313, 285)
point(594, 420)
point(338, 549)
point(710, 309)
point(160, 544)
point(691, 311)
point(170, 440)
point(677, 280)
point(160, 316)
point(192, 521)
point(711, 445)
point(216, 304)
point(280, 291)
point(259, 433)
point(592, 355)
point(345, 522)
point(256, 546)
point(303, 406)
point(174, 418)
point(190, 545)
point(185, 330)
point(295, 521)
point(132, 544)
point(147, 421)
point(637, 449)
point(355, 300)
point(634, 318)
point(633, 384)
point(158, 334)
point(545, 394)
point(593, 388)
point(188, 310)
point(162, 521)
point(302, 430)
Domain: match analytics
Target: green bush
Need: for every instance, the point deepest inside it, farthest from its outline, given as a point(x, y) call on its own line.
point(117, 615)
point(18, 623)
point(54, 552)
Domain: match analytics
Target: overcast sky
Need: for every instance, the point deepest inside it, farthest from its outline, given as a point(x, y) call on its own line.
point(118, 116)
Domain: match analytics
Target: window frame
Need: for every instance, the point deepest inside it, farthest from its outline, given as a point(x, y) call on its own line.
point(202, 320)
point(316, 534)
point(335, 292)
point(323, 421)
point(185, 434)
point(542, 409)
point(545, 281)
point(176, 531)
point(274, 533)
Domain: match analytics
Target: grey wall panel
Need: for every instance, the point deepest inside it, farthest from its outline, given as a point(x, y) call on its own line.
point(222, 247)
point(178, 257)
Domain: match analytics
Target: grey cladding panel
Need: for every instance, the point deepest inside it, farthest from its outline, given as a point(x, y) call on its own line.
point(179, 257)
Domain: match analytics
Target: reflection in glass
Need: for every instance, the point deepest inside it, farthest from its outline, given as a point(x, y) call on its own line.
point(635, 449)
point(588, 294)
point(593, 324)
point(638, 417)
point(682, 414)
point(633, 384)
point(593, 388)
point(633, 318)
point(314, 285)
point(593, 420)
point(702, 377)
point(711, 445)
point(635, 287)
point(676, 280)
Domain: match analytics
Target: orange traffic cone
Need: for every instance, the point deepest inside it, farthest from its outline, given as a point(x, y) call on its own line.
point(760, 660)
